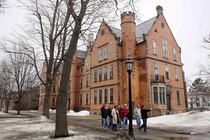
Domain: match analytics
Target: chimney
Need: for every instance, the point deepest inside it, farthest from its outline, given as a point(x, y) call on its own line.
point(159, 10)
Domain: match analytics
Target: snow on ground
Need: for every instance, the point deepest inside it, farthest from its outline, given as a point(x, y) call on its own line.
point(38, 128)
point(190, 122)
point(81, 113)
point(73, 113)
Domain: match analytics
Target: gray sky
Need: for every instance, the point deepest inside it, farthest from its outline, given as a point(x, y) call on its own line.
point(188, 19)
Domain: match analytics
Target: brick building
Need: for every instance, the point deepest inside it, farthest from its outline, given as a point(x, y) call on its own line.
point(99, 76)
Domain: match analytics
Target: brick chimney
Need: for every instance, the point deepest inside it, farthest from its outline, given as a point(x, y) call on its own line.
point(159, 10)
point(128, 33)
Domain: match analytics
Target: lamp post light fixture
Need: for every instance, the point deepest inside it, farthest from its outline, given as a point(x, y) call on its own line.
point(129, 68)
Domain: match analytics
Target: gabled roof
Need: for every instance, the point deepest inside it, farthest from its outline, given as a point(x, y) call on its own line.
point(116, 31)
point(141, 29)
point(144, 28)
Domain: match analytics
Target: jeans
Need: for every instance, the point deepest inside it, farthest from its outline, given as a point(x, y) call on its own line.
point(138, 121)
point(120, 124)
point(110, 121)
point(144, 124)
point(104, 122)
point(125, 121)
point(114, 126)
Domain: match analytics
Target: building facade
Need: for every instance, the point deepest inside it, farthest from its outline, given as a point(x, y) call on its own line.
point(99, 76)
point(198, 100)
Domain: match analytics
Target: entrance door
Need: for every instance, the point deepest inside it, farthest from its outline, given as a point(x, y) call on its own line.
point(168, 98)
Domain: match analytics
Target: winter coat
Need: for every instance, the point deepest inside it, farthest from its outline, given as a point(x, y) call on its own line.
point(121, 112)
point(109, 112)
point(144, 113)
point(114, 116)
point(126, 111)
point(104, 112)
point(137, 112)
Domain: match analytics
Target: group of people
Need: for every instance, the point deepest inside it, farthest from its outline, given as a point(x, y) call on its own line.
point(114, 116)
point(117, 117)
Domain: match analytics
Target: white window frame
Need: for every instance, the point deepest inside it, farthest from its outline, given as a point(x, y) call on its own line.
point(154, 48)
point(105, 52)
point(165, 48)
point(100, 54)
point(174, 53)
point(176, 73)
point(167, 71)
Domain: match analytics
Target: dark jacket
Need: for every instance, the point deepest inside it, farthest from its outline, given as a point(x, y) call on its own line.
point(144, 113)
point(104, 112)
point(109, 112)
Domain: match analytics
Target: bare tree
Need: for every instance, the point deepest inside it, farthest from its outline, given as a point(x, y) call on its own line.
point(6, 84)
point(205, 69)
point(21, 70)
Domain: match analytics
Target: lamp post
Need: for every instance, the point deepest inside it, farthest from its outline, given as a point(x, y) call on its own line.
point(129, 68)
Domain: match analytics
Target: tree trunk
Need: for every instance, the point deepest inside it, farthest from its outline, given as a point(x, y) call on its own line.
point(6, 108)
point(46, 105)
point(61, 128)
point(19, 103)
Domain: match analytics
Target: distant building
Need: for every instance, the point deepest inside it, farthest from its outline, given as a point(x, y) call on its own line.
point(99, 76)
point(30, 100)
point(198, 100)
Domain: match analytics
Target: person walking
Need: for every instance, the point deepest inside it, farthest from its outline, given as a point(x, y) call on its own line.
point(125, 116)
point(104, 116)
point(137, 114)
point(121, 115)
point(109, 112)
point(144, 117)
point(114, 119)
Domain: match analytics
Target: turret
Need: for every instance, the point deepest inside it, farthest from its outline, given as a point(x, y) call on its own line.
point(128, 33)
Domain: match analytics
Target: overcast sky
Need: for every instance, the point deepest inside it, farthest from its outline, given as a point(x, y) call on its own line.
point(188, 20)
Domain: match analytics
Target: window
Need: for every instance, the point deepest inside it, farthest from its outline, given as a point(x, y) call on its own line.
point(95, 96)
point(156, 70)
point(111, 74)
point(80, 99)
point(111, 95)
point(162, 95)
point(165, 48)
point(167, 71)
point(154, 47)
point(86, 100)
point(87, 66)
point(100, 54)
point(178, 98)
point(100, 96)
point(100, 74)
point(105, 72)
point(155, 94)
point(176, 73)
point(105, 96)
point(80, 82)
point(105, 52)
point(95, 75)
point(87, 81)
point(174, 53)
